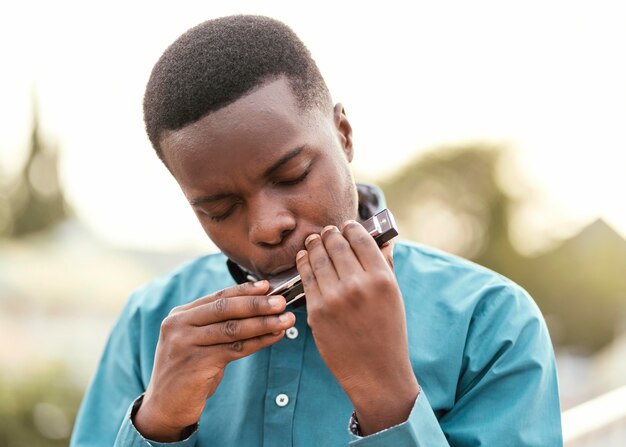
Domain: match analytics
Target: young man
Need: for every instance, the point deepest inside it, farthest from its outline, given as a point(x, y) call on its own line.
point(399, 346)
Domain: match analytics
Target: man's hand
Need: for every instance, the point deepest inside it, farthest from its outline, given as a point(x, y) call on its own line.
point(196, 343)
point(356, 314)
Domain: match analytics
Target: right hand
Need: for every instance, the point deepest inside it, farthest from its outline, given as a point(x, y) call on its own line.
point(196, 343)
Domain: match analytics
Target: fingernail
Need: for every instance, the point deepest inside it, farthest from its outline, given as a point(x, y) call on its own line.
point(277, 333)
point(346, 223)
point(328, 228)
point(259, 283)
point(275, 302)
point(283, 318)
point(300, 254)
point(311, 238)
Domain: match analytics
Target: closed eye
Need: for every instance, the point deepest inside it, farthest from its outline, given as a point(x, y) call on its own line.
point(222, 216)
point(294, 181)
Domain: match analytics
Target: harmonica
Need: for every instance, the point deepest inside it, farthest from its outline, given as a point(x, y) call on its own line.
point(381, 226)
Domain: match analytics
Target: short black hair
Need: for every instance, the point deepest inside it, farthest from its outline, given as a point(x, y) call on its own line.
point(217, 62)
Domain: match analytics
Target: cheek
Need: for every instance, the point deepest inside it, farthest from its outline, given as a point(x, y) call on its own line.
point(223, 236)
point(335, 195)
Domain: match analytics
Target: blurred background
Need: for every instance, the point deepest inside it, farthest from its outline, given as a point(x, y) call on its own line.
point(496, 129)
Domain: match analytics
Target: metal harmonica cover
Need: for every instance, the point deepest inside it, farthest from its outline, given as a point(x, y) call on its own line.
point(382, 226)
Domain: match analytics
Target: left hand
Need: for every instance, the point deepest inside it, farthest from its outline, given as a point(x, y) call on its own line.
point(356, 314)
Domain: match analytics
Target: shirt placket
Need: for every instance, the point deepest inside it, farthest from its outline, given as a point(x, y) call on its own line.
point(285, 371)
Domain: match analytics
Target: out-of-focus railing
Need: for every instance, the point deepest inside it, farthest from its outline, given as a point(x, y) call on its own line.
point(598, 422)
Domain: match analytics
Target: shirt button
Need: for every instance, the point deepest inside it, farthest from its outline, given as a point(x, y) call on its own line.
point(282, 400)
point(292, 333)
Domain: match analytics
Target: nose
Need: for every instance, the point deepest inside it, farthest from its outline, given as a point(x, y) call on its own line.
point(269, 223)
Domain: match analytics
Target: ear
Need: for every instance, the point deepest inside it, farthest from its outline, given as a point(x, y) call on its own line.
point(344, 130)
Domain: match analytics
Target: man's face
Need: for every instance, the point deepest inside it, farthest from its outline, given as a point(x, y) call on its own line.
point(261, 175)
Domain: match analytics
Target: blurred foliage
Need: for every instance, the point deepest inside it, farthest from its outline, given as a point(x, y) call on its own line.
point(453, 199)
point(582, 284)
point(32, 201)
point(37, 411)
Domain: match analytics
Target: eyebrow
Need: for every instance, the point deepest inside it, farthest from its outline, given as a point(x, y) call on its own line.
point(284, 159)
point(205, 199)
point(268, 172)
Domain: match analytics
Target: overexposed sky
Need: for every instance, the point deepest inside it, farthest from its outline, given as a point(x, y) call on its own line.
point(546, 77)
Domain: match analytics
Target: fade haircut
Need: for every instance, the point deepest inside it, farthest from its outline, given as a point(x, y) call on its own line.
point(217, 62)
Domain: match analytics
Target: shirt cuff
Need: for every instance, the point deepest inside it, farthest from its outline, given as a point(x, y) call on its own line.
point(128, 436)
point(421, 429)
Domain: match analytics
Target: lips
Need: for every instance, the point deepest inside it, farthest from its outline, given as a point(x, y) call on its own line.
point(282, 259)
point(281, 269)
point(281, 264)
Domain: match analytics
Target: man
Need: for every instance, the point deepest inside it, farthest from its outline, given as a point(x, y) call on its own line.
point(399, 346)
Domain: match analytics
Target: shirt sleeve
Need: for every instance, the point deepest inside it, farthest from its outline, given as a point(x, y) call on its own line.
point(507, 392)
point(128, 435)
point(104, 418)
point(421, 429)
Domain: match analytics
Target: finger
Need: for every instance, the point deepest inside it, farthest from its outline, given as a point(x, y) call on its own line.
point(338, 248)
point(247, 288)
point(235, 308)
point(309, 282)
point(387, 251)
point(233, 330)
point(321, 264)
point(364, 246)
point(242, 348)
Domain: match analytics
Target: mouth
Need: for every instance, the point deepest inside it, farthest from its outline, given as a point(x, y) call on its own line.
point(282, 263)
point(280, 270)
point(284, 267)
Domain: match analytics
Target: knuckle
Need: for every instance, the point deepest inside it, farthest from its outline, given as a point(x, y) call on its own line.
point(169, 323)
point(308, 278)
point(269, 322)
point(220, 305)
point(334, 302)
point(236, 346)
point(176, 339)
point(312, 316)
point(381, 281)
point(242, 288)
point(334, 296)
point(319, 263)
point(230, 328)
point(361, 238)
point(210, 331)
point(255, 304)
point(351, 286)
point(176, 310)
point(219, 294)
point(336, 243)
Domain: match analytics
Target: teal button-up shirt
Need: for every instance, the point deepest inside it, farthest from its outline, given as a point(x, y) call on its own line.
point(478, 345)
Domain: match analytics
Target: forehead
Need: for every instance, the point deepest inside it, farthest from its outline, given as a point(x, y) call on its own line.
point(253, 130)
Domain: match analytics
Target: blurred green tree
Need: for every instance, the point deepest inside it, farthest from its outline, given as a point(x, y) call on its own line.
point(582, 283)
point(33, 200)
point(452, 199)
